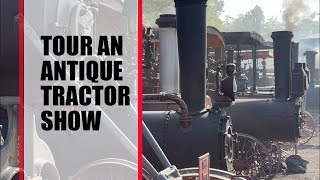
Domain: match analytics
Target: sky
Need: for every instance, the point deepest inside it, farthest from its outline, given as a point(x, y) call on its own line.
point(271, 8)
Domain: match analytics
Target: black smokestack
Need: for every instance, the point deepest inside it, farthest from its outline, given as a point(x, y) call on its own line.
point(294, 54)
point(282, 63)
point(311, 64)
point(192, 42)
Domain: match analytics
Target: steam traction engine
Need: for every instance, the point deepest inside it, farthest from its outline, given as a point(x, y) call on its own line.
point(185, 129)
point(313, 93)
point(181, 134)
point(278, 118)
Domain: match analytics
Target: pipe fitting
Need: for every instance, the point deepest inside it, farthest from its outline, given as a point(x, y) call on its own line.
point(185, 117)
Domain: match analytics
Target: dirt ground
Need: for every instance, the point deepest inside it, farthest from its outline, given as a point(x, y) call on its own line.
point(311, 153)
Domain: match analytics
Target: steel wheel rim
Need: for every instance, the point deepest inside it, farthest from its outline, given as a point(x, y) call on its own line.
point(308, 129)
point(257, 160)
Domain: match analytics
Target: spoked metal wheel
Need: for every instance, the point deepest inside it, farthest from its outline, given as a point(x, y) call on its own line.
point(252, 158)
point(308, 128)
point(316, 117)
point(111, 169)
point(275, 153)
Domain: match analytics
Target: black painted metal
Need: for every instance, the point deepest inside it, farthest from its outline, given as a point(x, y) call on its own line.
point(192, 43)
point(282, 63)
point(9, 47)
point(313, 102)
point(228, 84)
point(166, 20)
point(313, 93)
point(311, 64)
point(254, 65)
point(279, 118)
point(266, 119)
point(238, 63)
point(211, 132)
point(294, 53)
point(211, 129)
point(299, 81)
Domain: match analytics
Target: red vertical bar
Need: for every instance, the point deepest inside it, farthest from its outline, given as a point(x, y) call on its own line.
point(140, 89)
point(21, 89)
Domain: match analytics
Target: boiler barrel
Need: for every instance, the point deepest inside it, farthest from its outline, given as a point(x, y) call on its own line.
point(266, 119)
point(211, 132)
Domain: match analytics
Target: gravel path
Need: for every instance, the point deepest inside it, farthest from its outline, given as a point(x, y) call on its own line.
point(311, 153)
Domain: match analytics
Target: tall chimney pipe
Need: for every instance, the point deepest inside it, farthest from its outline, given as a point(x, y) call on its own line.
point(192, 43)
point(294, 54)
point(282, 63)
point(169, 62)
point(311, 64)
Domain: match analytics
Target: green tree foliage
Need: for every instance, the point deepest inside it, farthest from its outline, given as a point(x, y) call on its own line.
point(272, 24)
point(306, 26)
point(253, 20)
point(214, 10)
point(153, 8)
